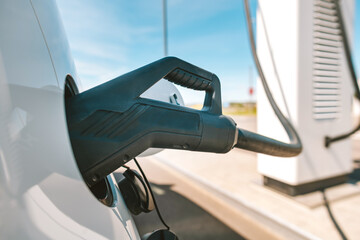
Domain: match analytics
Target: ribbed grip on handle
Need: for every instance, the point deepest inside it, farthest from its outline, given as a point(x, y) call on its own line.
point(189, 80)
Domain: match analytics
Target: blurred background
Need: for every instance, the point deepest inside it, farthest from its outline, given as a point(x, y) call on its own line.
point(110, 38)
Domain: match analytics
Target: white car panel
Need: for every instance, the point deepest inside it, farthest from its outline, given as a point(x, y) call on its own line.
point(42, 194)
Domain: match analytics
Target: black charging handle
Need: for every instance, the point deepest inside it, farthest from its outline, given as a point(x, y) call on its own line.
point(110, 124)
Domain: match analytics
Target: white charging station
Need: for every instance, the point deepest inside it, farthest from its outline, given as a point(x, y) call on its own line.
point(301, 51)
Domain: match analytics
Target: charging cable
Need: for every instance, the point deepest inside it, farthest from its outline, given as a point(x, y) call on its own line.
point(152, 194)
point(295, 142)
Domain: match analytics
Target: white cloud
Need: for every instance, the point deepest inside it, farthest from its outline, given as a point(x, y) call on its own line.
point(95, 73)
point(112, 52)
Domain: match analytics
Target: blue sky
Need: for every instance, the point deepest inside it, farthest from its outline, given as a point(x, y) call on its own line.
point(110, 38)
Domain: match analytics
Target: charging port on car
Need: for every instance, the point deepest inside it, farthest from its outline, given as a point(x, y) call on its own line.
point(102, 190)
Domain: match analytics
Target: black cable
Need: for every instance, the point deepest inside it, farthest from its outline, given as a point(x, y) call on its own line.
point(152, 194)
point(337, 226)
point(295, 146)
point(330, 140)
point(124, 166)
point(261, 144)
point(347, 48)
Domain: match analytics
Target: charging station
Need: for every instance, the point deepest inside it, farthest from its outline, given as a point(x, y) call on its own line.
point(300, 47)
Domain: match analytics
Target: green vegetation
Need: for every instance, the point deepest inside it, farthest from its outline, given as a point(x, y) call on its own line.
point(240, 109)
point(234, 108)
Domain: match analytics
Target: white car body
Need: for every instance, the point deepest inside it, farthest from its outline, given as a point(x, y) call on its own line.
point(42, 193)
